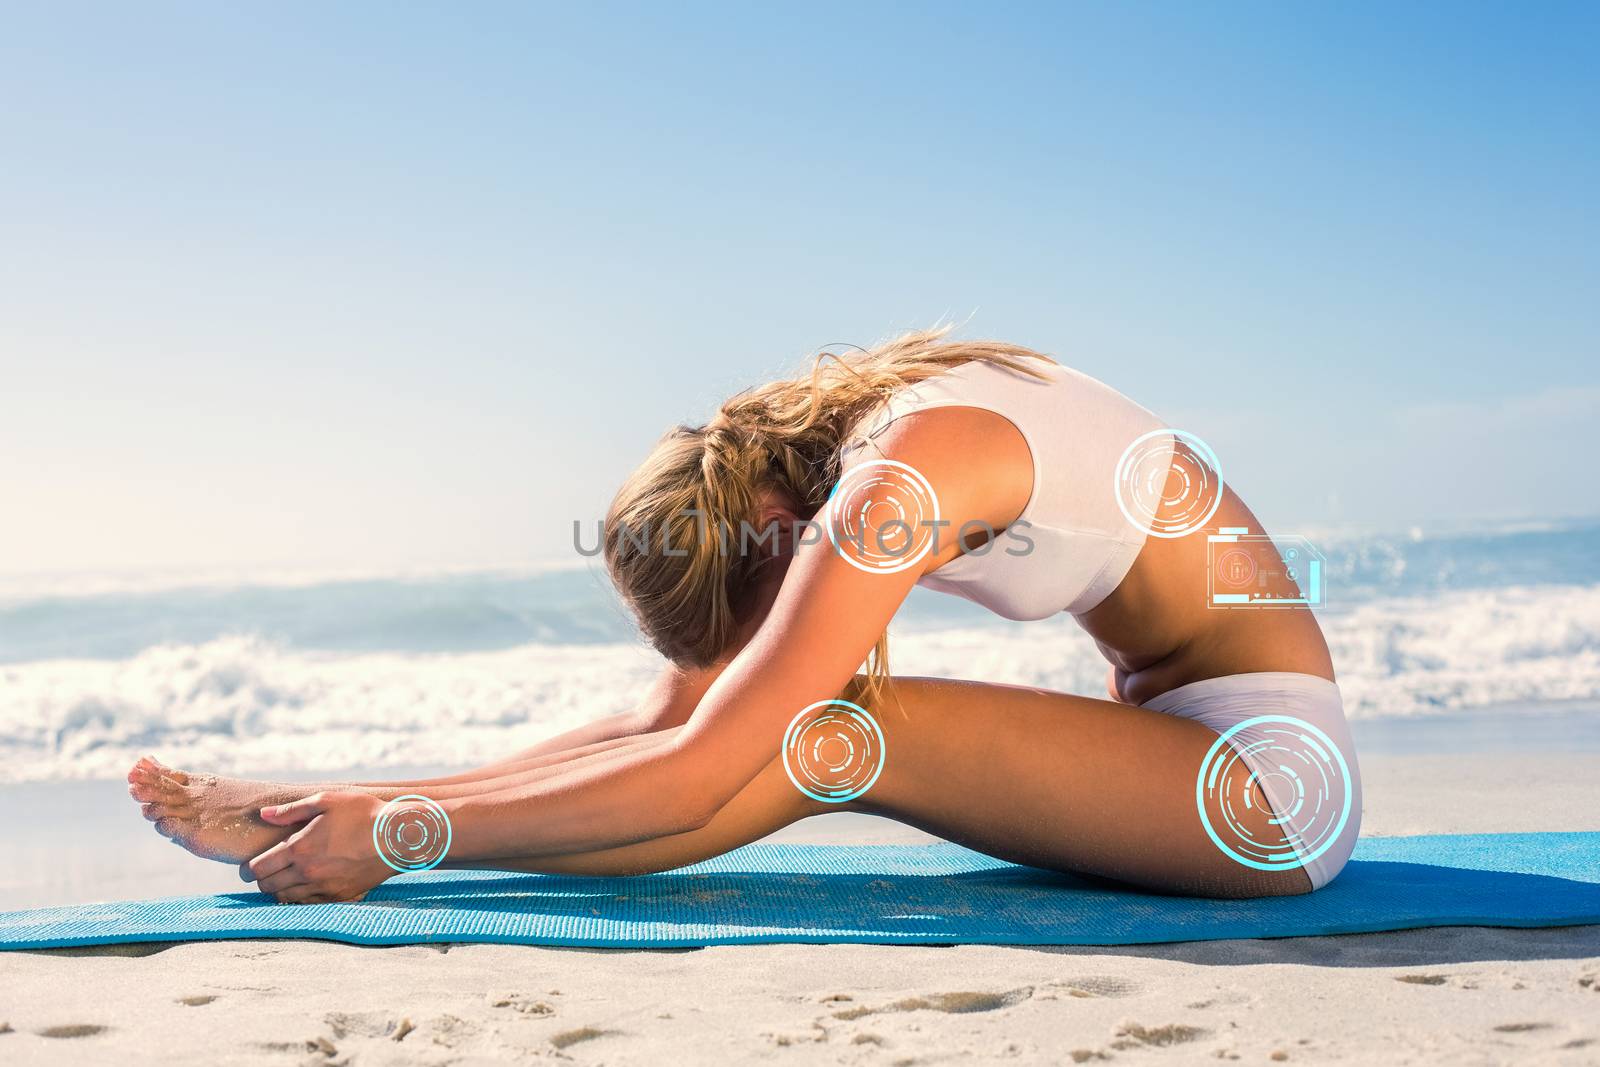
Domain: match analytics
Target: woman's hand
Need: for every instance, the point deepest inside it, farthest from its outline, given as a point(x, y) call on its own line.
point(331, 858)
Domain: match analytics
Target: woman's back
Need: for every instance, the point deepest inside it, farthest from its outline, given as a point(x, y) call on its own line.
point(1105, 474)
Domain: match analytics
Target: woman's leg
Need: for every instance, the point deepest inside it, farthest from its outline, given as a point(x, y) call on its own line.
point(1055, 781)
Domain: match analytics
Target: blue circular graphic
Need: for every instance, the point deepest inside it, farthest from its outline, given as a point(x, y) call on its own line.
point(833, 751)
point(1168, 483)
point(1285, 756)
point(411, 833)
point(881, 516)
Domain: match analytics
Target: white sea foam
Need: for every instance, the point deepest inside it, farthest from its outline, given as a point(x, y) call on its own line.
point(1397, 657)
point(240, 704)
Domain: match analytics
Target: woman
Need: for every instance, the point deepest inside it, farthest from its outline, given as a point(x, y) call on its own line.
point(1016, 460)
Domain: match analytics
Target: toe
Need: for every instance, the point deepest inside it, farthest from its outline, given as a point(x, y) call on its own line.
point(167, 826)
point(165, 784)
point(181, 777)
point(169, 777)
point(150, 811)
point(143, 792)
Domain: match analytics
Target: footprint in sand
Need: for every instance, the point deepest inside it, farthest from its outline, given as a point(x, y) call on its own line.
point(280, 1046)
point(1098, 985)
point(950, 1003)
point(367, 1024)
point(199, 1000)
point(1422, 979)
point(1522, 1028)
point(72, 1030)
point(790, 1040)
point(450, 1030)
point(568, 1038)
point(1132, 1035)
point(518, 1002)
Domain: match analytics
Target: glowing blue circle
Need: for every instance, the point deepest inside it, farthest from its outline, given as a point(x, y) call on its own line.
point(904, 492)
point(1140, 481)
point(841, 723)
point(1297, 849)
point(411, 833)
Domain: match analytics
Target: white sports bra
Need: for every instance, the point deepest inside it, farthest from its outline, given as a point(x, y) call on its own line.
point(1077, 429)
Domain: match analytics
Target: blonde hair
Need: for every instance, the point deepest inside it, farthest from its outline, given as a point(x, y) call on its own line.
point(702, 481)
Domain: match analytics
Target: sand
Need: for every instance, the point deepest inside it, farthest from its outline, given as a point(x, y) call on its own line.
point(1457, 995)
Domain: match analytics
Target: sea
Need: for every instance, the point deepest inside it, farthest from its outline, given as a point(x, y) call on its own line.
point(264, 672)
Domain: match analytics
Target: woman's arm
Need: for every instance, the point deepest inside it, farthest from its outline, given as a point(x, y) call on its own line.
point(824, 621)
point(670, 701)
point(668, 704)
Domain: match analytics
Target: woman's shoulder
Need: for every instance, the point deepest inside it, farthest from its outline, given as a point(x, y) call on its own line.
point(975, 462)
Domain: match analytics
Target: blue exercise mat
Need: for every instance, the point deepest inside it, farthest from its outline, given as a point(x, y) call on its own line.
point(934, 894)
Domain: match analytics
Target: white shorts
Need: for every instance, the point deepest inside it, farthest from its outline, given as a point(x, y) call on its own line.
point(1321, 823)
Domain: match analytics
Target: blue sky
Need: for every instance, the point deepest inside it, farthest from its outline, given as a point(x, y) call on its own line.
point(386, 285)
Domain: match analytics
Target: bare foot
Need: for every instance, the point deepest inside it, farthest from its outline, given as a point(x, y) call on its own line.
point(215, 818)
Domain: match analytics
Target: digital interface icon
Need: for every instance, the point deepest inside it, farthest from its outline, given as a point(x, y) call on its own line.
point(1247, 570)
point(833, 751)
point(411, 833)
point(1168, 483)
point(882, 516)
point(1301, 772)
